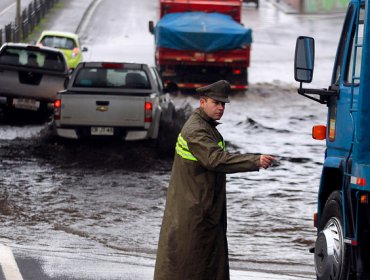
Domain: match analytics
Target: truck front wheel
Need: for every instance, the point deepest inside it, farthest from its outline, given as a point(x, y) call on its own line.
point(331, 253)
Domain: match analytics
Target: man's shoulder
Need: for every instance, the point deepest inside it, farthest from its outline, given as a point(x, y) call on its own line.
point(194, 126)
point(194, 122)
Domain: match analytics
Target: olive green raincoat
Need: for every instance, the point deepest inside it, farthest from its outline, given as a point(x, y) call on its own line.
point(192, 243)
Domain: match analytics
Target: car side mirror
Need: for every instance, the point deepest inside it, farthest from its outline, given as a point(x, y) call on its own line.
point(151, 27)
point(304, 59)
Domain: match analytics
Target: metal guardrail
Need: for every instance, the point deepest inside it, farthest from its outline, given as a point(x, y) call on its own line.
point(30, 18)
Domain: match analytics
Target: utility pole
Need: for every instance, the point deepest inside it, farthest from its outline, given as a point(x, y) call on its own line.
point(18, 14)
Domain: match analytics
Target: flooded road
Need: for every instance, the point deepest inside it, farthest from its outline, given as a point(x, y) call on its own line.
point(111, 195)
point(105, 200)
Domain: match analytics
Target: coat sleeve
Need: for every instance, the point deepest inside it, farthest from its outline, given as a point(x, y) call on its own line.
point(212, 157)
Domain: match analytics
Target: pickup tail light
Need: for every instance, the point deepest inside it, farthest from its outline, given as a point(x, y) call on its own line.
point(148, 112)
point(57, 106)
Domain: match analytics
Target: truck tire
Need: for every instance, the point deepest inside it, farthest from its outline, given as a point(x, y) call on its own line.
point(332, 255)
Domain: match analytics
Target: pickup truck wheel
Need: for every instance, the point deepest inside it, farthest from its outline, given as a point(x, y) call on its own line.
point(331, 253)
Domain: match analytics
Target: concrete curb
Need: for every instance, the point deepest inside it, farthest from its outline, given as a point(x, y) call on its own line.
point(87, 13)
point(284, 7)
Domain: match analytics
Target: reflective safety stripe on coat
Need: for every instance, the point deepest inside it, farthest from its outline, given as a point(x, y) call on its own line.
point(183, 151)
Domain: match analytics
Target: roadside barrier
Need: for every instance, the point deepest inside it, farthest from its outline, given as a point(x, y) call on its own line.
point(29, 19)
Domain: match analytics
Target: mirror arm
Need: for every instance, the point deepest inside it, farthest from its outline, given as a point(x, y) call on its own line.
point(324, 94)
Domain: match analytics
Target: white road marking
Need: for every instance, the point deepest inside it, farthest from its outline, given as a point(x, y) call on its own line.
point(87, 17)
point(8, 264)
point(7, 9)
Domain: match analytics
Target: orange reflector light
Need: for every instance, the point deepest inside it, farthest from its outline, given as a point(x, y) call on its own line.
point(361, 182)
point(315, 217)
point(363, 199)
point(319, 132)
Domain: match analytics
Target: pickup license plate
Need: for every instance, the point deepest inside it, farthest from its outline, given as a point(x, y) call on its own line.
point(102, 131)
point(24, 103)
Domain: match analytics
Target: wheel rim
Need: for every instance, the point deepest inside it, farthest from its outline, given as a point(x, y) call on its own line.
point(329, 250)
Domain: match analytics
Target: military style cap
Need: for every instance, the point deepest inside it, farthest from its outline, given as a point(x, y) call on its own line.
point(218, 91)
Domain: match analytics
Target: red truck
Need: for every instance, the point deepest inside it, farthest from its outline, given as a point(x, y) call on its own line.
point(198, 42)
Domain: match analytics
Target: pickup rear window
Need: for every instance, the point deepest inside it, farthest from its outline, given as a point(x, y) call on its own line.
point(112, 78)
point(35, 58)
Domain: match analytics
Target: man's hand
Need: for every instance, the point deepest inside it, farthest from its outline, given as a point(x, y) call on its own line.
point(266, 161)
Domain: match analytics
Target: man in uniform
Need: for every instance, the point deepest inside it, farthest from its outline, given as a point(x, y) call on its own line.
point(192, 243)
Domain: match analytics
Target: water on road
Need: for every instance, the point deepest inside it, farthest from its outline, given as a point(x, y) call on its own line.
point(106, 199)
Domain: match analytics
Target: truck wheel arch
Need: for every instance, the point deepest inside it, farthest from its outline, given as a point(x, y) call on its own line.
point(332, 179)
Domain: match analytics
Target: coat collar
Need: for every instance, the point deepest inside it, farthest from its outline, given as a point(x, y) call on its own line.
point(204, 116)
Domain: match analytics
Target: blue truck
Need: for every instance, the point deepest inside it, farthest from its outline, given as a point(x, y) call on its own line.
point(342, 247)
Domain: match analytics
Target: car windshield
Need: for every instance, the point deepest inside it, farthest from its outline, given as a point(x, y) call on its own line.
point(35, 58)
point(58, 42)
point(112, 78)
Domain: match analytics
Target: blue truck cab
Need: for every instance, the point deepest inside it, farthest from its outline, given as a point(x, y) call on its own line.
point(342, 247)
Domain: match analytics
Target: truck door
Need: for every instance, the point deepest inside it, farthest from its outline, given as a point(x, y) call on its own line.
point(345, 77)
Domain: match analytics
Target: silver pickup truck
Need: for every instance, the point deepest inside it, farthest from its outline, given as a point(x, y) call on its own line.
point(104, 99)
point(30, 76)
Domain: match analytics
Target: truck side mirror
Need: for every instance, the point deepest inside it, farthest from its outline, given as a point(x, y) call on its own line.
point(151, 27)
point(304, 59)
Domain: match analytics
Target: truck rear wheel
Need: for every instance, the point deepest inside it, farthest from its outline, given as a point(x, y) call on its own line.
point(331, 253)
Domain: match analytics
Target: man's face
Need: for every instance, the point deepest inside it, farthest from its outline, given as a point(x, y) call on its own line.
point(213, 108)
